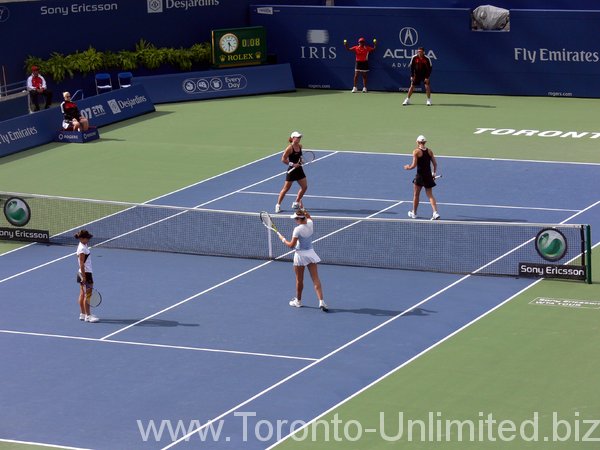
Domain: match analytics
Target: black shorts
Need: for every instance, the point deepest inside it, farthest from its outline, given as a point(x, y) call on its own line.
point(362, 66)
point(426, 182)
point(295, 175)
point(419, 79)
point(89, 278)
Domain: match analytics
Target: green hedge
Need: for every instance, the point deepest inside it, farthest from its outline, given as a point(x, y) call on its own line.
point(60, 66)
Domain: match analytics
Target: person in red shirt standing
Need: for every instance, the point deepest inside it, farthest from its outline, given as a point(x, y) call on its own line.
point(36, 85)
point(361, 51)
point(420, 71)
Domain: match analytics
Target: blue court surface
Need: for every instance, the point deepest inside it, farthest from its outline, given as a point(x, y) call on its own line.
point(210, 346)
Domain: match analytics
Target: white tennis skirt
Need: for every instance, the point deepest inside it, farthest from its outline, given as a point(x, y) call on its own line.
point(306, 257)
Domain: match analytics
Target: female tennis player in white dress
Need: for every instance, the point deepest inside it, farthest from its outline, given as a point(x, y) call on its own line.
point(304, 256)
point(85, 277)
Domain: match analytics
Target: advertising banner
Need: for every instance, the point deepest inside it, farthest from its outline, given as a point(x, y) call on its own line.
point(530, 59)
point(233, 82)
point(65, 26)
point(41, 127)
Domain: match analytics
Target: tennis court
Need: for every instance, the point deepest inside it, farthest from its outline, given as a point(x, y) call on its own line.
point(207, 348)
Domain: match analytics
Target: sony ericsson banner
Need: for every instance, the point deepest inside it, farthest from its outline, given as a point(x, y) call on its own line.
point(562, 63)
point(218, 83)
point(552, 271)
point(16, 212)
point(551, 245)
point(41, 127)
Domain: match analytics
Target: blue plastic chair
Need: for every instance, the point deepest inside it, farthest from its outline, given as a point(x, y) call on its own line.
point(103, 83)
point(125, 79)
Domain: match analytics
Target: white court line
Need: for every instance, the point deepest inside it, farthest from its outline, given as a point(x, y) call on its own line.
point(347, 344)
point(387, 200)
point(40, 444)
point(147, 344)
point(158, 221)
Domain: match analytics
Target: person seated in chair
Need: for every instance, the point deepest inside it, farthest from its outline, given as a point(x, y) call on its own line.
point(36, 86)
point(72, 118)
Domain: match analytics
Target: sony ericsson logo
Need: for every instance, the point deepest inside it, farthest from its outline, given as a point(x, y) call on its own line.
point(4, 13)
point(408, 36)
point(551, 244)
point(17, 211)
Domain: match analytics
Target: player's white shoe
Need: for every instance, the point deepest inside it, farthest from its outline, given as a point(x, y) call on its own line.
point(91, 318)
point(354, 89)
point(295, 205)
point(295, 303)
point(435, 216)
point(428, 102)
point(277, 208)
point(406, 102)
point(365, 90)
point(412, 215)
point(322, 306)
point(81, 316)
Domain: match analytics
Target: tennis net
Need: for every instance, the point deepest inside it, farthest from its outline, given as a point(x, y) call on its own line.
point(487, 248)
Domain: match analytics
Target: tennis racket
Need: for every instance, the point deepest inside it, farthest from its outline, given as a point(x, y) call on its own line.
point(266, 220)
point(306, 158)
point(92, 297)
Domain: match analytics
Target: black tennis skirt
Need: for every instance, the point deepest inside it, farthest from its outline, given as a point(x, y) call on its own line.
point(295, 175)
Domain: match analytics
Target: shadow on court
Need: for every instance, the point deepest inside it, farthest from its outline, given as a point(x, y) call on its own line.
point(148, 323)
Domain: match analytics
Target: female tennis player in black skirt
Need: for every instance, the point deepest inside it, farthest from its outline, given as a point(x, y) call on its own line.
point(291, 158)
point(423, 159)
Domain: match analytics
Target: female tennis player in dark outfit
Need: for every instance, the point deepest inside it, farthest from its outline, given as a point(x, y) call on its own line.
point(291, 158)
point(304, 256)
point(84, 275)
point(423, 158)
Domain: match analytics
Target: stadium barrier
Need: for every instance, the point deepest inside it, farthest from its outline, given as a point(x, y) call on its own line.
point(40, 128)
point(530, 59)
point(221, 83)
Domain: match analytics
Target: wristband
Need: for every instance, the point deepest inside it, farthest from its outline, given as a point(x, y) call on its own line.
point(291, 164)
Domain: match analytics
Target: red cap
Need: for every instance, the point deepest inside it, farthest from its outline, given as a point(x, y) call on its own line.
point(362, 39)
point(34, 68)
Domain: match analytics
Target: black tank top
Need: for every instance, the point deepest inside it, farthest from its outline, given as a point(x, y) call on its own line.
point(295, 156)
point(424, 164)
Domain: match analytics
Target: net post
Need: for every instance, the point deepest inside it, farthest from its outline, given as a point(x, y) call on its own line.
point(588, 253)
point(270, 243)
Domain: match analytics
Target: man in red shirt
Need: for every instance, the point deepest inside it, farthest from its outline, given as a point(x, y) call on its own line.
point(36, 85)
point(420, 71)
point(362, 60)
